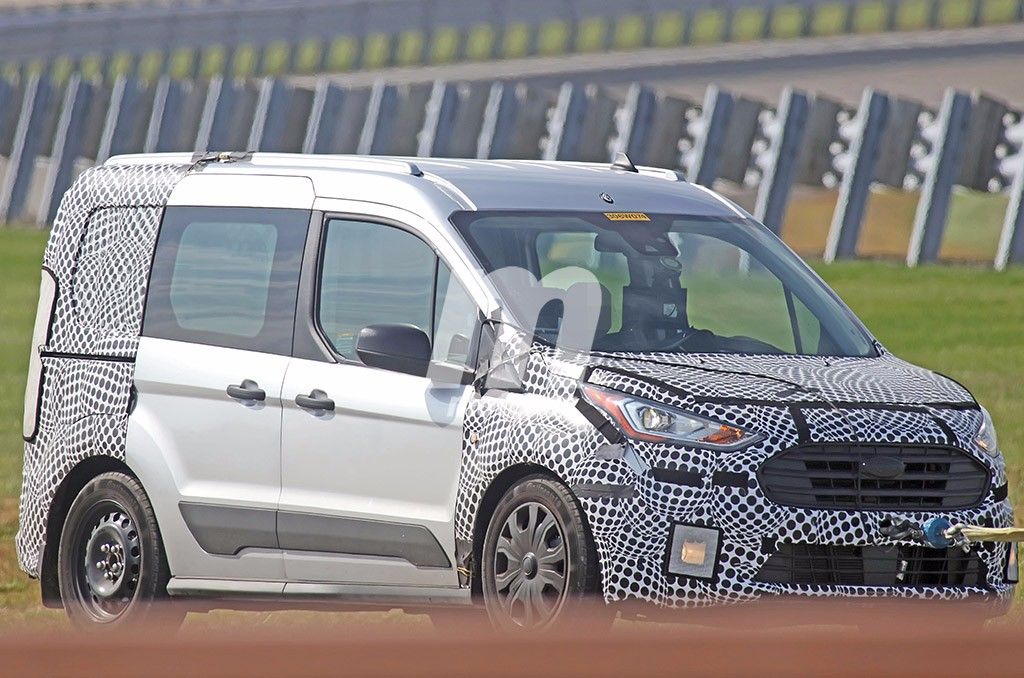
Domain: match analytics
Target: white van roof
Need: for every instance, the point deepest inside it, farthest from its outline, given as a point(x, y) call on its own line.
point(457, 184)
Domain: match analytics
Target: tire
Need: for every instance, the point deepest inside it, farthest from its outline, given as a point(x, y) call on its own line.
point(539, 567)
point(111, 565)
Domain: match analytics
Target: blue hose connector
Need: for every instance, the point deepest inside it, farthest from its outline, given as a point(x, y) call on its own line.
point(935, 533)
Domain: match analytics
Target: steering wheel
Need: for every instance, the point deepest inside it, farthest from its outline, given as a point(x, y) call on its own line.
point(688, 335)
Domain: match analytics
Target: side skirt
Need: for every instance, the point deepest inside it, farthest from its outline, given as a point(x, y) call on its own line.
point(234, 594)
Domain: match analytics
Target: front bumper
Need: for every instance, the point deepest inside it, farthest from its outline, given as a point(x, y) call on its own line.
point(634, 527)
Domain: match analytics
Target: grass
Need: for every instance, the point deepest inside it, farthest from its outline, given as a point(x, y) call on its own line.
point(965, 322)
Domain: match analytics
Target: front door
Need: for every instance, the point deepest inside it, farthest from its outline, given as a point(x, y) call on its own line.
point(371, 457)
point(215, 345)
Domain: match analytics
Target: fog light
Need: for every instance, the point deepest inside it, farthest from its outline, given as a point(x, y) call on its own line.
point(1012, 572)
point(694, 551)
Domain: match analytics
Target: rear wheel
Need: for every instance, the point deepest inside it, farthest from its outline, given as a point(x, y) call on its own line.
point(539, 564)
point(111, 565)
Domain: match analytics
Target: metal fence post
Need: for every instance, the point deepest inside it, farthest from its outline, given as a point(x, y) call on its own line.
point(210, 105)
point(865, 133)
point(780, 162)
point(67, 146)
point(270, 117)
point(633, 124)
point(327, 101)
point(162, 134)
point(709, 137)
point(1011, 240)
point(565, 124)
point(27, 142)
point(439, 121)
point(380, 114)
point(943, 169)
point(499, 114)
point(125, 100)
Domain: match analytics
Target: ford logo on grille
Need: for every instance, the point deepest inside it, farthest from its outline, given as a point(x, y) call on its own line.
point(882, 467)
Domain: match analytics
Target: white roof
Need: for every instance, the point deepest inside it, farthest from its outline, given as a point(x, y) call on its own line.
point(455, 184)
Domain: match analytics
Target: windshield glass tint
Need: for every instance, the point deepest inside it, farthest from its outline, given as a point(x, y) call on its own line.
point(660, 283)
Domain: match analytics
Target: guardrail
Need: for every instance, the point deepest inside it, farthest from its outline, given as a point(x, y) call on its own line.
point(48, 133)
point(273, 37)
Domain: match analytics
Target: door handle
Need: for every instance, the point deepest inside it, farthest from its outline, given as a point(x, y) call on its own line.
point(316, 400)
point(247, 390)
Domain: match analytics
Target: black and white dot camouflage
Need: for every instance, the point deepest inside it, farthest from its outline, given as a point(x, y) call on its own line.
point(109, 218)
point(849, 400)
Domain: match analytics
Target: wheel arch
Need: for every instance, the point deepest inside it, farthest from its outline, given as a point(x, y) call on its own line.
point(501, 484)
point(73, 482)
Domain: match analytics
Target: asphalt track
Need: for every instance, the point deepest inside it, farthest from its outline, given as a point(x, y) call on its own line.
point(914, 64)
point(747, 641)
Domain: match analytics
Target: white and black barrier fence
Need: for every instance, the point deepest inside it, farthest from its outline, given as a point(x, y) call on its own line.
point(49, 133)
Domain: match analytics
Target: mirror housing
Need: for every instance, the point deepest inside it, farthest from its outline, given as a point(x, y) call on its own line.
point(398, 348)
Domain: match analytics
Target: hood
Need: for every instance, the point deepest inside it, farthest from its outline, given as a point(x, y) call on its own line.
point(883, 380)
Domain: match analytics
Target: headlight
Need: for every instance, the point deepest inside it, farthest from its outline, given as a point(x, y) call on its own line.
point(986, 437)
point(646, 420)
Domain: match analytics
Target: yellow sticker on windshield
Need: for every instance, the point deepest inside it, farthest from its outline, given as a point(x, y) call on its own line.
point(627, 216)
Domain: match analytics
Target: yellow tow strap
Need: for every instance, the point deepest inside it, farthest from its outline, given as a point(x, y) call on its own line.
point(975, 533)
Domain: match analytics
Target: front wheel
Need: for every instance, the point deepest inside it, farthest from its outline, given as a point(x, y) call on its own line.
point(111, 566)
point(539, 565)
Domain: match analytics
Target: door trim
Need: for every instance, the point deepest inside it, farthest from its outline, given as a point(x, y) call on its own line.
point(227, 530)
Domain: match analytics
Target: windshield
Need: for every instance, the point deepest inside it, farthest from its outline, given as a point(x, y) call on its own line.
point(660, 283)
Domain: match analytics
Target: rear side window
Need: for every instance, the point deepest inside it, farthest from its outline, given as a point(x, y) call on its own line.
point(227, 277)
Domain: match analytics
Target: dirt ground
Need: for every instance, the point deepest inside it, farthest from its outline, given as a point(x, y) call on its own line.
point(747, 641)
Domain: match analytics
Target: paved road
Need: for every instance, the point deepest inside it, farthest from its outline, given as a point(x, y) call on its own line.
point(919, 64)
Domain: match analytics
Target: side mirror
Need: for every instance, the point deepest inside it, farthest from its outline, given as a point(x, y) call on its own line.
point(399, 348)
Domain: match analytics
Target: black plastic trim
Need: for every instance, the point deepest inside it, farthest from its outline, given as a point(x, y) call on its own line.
point(357, 536)
point(605, 427)
point(88, 356)
point(678, 477)
point(730, 479)
point(603, 491)
point(226, 530)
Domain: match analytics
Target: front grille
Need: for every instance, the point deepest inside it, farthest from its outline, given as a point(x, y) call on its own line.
point(892, 566)
point(884, 477)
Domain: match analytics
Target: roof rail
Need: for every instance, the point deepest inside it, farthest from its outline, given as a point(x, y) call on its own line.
point(379, 163)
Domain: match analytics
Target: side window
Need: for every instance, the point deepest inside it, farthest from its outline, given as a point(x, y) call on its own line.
point(456, 317)
point(227, 277)
point(373, 274)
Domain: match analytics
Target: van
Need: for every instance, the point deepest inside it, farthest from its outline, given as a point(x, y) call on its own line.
point(490, 386)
